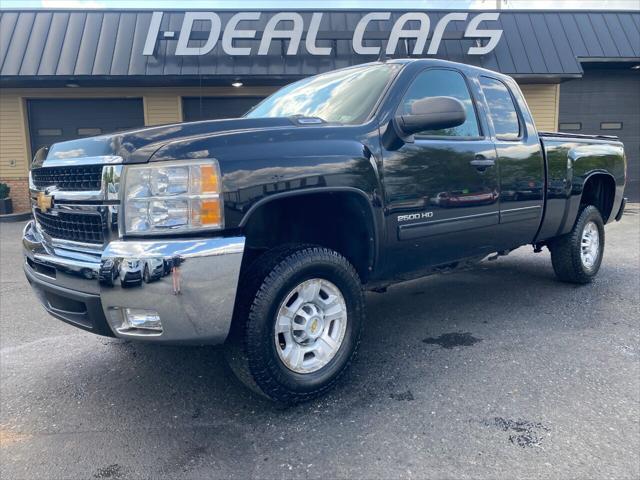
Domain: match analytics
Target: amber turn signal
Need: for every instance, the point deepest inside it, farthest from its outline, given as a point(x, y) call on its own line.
point(210, 212)
point(209, 179)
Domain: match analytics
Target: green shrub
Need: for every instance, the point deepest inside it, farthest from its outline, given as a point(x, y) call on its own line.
point(4, 190)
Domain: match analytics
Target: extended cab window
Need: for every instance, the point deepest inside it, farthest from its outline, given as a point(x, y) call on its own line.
point(442, 83)
point(501, 109)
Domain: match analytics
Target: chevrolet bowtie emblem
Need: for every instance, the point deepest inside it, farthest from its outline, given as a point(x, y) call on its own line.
point(44, 201)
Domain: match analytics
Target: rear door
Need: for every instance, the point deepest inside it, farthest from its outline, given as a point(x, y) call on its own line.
point(442, 189)
point(520, 162)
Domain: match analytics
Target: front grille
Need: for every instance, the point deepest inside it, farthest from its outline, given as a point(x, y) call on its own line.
point(72, 178)
point(77, 227)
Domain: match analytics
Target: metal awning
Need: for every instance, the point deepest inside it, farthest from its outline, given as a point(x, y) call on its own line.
point(40, 46)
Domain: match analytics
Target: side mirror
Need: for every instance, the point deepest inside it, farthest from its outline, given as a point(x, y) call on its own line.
point(432, 113)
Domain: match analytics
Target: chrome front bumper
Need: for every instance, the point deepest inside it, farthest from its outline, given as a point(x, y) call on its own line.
point(191, 285)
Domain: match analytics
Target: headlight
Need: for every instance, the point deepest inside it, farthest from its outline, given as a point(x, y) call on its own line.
point(172, 197)
point(133, 264)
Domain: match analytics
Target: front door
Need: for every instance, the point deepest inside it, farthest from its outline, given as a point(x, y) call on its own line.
point(441, 190)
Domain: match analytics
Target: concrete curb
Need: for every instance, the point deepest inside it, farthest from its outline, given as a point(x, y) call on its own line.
point(15, 217)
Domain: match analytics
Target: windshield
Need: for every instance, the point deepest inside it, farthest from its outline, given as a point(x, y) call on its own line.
point(344, 96)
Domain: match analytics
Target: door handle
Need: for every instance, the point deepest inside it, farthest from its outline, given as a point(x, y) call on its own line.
point(482, 162)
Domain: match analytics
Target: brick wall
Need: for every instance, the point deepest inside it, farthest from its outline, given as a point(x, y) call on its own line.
point(19, 193)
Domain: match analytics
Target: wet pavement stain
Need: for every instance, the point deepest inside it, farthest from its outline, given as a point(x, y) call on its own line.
point(111, 471)
point(451, 340)
point(523, 433)
point(403, 396)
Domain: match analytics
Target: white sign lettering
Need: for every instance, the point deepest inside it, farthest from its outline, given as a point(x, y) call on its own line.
point(492, 35)
point(183, 47)
point(399, 32)
point(439, 31)
point(294, 35)
point(290, 26)
point(231, 32)
point(312, 34)
point(358, 33)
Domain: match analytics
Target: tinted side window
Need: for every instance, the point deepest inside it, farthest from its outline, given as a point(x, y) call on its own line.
point(443, 83)
point(501, 108)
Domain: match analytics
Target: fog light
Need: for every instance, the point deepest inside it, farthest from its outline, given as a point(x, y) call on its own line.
point(142, 319)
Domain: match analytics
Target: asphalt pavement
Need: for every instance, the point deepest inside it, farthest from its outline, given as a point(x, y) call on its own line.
point(497, 372)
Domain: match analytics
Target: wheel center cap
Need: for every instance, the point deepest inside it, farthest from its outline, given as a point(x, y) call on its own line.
point(310, 325)
point(314, 327)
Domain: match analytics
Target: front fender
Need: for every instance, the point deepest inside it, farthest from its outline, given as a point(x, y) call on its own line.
point(259, 164)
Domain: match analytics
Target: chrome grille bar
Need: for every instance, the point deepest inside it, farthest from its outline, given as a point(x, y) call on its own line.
point(82, 200)
point(76, 227)
point(71, 179)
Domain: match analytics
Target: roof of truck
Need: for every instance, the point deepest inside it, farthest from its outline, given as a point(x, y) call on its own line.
point(440, 62)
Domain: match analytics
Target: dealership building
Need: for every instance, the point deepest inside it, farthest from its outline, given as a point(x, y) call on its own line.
point(71, 73)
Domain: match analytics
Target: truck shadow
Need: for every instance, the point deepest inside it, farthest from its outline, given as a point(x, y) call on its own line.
point(493, 297)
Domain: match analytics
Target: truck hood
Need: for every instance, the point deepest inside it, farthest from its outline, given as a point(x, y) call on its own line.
point(137, 146)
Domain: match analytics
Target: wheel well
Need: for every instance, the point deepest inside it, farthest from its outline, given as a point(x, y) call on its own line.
point(342, 221)
point(599, 190)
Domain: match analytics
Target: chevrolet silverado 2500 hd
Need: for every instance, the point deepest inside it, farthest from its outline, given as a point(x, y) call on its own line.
point(263, 232)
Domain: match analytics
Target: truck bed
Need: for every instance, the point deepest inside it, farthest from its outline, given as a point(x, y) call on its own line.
point(576, 135)
point(571, 159)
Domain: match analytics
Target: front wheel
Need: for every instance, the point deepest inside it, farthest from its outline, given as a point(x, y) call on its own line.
point(577, 256)
point(297, 322)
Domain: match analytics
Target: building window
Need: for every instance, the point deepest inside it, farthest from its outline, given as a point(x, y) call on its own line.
point(611, 126)
point(50, 132)
point(89, 132)
point(570, 126)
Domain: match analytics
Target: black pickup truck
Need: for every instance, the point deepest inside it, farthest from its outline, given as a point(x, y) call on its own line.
point(263, 232)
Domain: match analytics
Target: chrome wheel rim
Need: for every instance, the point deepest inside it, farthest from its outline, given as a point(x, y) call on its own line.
point(590, 245)
point(310, 325)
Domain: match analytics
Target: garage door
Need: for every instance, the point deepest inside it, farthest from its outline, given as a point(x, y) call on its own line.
point(211, 108)
point(52, 121)
point(606, 102)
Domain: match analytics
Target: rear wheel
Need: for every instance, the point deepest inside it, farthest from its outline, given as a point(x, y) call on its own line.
point(577, 256)
point(297, 323)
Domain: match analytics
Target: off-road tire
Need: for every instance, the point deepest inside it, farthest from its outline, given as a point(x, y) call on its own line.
point(565, 250)
point(251, 351)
